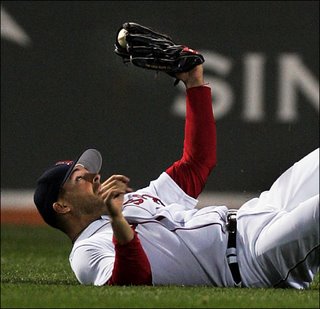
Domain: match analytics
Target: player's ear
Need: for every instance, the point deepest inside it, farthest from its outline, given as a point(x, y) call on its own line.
point(60, 207)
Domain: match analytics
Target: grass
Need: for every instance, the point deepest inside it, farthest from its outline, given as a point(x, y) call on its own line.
point(35, 273)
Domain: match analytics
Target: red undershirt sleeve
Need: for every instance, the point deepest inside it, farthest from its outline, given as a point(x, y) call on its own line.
point(199, 151)
point(131, 266)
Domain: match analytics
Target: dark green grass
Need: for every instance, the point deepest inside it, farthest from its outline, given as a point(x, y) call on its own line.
point(35, 273)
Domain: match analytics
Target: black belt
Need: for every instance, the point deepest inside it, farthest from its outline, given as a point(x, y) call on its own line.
point(232, 246)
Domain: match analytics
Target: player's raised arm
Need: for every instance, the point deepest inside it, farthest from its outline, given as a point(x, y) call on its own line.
point(199, 151)
point(149, 49)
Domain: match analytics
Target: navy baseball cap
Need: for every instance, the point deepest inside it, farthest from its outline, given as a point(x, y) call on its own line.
point(52, 180)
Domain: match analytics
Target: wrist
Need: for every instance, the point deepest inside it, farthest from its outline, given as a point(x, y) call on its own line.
point(193, 78)
point(194, 83)
point(118, 217)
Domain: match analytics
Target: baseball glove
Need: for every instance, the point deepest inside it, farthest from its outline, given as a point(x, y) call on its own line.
point(152, 50)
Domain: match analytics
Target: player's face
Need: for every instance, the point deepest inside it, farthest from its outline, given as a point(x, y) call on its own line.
point(81, 191)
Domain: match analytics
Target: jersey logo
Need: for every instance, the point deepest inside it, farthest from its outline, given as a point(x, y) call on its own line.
point(138, 199)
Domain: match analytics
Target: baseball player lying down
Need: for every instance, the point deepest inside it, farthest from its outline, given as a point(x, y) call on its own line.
point(156, 236)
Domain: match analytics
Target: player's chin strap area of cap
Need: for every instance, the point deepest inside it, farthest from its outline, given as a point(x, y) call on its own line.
point(232, 246)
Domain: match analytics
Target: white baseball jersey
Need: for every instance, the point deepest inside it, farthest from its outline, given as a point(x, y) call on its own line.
point(277, 239)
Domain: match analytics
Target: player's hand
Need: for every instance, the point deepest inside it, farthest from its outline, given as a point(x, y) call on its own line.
point(112, 192)
point(193, 78)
